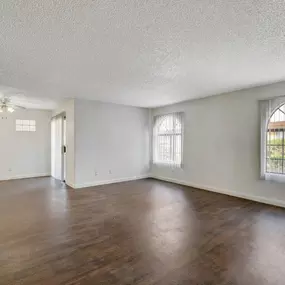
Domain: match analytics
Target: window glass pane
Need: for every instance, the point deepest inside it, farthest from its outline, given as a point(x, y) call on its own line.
point(275, 142)
point(164, 148)
point(19, 128)
point(275, 138)
point(275, 151)
point(177, 125)
point(25, 125)
point(167, 139)
point(274, 165)
point(178, 149)
point(166, 126)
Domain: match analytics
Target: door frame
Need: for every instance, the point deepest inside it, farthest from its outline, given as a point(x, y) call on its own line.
point(63, 148)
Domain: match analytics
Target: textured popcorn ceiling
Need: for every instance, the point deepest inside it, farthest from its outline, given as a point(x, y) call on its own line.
point(139, 52)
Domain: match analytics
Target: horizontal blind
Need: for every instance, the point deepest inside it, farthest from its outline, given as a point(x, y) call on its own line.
point(168, 139)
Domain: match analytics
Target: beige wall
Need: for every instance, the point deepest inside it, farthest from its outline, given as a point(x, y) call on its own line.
point(24, 154)
point(222, 144)
point(111, 143)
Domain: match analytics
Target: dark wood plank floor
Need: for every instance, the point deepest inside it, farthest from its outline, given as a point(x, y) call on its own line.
point(141, 232)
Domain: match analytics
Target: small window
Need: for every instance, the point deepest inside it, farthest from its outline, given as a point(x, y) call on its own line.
point(25, 125)
point(167, 140)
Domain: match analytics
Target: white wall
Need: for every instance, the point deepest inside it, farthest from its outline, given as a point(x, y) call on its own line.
point(24, 154)
point(221, 145)
point(68, 107)
point(110, 137)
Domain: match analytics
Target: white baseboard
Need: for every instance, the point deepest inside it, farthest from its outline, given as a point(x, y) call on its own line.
point(70, 184)
point(28, 176)
point(105, 182)
point(259, 199)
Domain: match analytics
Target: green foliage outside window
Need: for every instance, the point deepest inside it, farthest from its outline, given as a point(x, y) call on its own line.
point(275, 155)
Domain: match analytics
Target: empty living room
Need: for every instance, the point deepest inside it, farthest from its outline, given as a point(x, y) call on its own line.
point(142, 142)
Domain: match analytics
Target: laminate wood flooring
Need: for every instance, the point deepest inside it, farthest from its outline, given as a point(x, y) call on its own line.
point(140, 232)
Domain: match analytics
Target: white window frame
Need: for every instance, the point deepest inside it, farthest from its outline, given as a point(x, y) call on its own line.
point(267, 109)
point(171, 134)
point(23, 125)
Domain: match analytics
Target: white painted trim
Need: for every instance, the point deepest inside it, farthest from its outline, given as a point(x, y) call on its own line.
point(259, 199)
point(27, 176)
point(280, 178)
point(70, 185)
point(105, 182)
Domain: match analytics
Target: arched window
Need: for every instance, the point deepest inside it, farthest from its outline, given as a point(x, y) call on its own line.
point(275, 142)
point(167, 140)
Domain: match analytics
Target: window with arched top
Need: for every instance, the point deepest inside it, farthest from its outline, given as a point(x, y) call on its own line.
point(167, 139)
point(275, 146)
point(272, 135)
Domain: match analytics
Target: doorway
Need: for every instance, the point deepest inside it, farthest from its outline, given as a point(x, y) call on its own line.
point(58, 147)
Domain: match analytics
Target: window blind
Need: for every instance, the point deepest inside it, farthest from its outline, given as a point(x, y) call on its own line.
point(168, 139)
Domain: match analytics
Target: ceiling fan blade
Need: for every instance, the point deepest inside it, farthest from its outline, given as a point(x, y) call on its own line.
point(13, 106)
point(5, 100)
point(18, 107)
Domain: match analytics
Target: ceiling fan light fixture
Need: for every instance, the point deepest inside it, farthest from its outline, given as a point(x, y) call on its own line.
point(10, 109)
point(6, 106)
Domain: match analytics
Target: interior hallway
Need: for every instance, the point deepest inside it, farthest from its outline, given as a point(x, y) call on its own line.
point(141, 232)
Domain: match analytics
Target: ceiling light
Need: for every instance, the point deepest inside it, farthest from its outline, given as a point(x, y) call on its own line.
point(7, 106)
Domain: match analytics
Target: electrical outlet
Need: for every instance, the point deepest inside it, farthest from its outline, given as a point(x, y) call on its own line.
point(110, 171)
point(95, 173)
point(9, 169)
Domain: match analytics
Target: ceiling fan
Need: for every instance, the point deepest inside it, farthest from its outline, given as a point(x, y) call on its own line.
point(7, 106)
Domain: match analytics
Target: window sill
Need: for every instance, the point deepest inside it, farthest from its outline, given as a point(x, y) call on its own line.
point(275, 177)
point(168, 165)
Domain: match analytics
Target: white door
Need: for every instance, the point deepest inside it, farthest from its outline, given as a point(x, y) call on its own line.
point(57, 147)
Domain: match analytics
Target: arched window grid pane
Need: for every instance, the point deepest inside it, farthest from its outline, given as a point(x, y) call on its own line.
point(275, 144)
point(167, 143)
